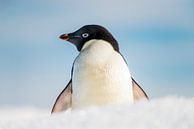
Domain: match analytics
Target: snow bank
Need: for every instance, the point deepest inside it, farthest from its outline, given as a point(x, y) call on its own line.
point(14, 114)
point(165, 113)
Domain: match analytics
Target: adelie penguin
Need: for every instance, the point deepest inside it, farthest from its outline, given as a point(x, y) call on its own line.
point(99, 76)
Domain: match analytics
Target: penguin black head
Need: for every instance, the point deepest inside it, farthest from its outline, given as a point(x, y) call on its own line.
point(89, 32)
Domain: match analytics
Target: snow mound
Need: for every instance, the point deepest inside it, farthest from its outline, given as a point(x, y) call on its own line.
point(164, 113)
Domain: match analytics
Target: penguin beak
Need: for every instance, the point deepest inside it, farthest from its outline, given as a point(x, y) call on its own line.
point(64, 37)
point(72, 38)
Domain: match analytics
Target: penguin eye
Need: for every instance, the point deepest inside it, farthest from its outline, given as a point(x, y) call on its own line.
point(85, 35)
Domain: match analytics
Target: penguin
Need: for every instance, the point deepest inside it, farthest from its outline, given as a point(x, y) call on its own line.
point(100, 75)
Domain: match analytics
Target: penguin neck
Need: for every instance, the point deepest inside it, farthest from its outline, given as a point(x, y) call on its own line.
point(96, 52)
point(96, 44)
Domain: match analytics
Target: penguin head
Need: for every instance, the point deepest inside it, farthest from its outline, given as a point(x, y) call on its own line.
point(89, 32)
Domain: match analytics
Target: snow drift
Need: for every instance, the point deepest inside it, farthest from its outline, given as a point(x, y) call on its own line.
point(164, 113)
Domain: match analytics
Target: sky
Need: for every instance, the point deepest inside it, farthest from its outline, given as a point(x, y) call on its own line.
point(155, 37)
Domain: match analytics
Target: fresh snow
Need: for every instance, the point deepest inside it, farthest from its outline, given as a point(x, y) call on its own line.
point(163, 113)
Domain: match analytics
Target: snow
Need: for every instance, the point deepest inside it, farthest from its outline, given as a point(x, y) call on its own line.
point(163, 113)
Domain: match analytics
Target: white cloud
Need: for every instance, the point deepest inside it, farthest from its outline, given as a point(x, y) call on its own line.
point(164, 113)
point(33, 20)
point(38, 19)
point(126, 12)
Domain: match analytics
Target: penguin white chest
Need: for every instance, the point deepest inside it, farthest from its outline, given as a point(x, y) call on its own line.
point(100, 76)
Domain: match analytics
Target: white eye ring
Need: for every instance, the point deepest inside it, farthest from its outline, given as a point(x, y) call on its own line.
point(85, 35)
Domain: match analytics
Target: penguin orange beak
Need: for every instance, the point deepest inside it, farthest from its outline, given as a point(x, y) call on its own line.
point(64, 37)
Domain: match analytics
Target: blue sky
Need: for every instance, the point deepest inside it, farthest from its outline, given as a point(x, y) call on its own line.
point(155, 37)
